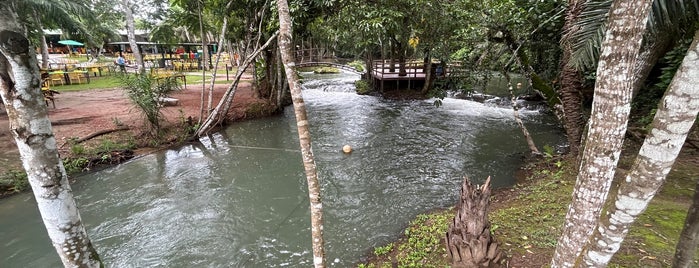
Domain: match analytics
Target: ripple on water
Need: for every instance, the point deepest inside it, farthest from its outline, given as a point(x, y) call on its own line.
point(239, 199)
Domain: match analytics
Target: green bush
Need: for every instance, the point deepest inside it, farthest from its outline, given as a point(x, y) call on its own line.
point(357, 65)
point(326, 70)
point(14, 181)
point(362, 86)
point(145, 92)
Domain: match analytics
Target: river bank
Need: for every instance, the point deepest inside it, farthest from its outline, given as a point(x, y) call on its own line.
point(79, 115)
point(527, 218)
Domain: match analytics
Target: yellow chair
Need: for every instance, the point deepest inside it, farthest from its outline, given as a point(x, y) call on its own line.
point(76, 76)
point(48, 92)
point(179, 66)
point(56, 78)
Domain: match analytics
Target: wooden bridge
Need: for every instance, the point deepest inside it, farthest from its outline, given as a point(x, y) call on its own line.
point(331, 64)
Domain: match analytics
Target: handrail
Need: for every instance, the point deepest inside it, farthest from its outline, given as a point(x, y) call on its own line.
point(333, 64)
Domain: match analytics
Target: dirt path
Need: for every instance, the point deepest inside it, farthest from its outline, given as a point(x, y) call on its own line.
point(78, 114)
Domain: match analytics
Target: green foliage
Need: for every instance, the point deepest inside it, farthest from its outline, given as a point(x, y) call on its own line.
point(534, 218)
point(423, 240)
point(363, 87)
point(645, 104)
point(77, 149)
point(671, 62)
point(144, 92)
point(187, 124)
point(14, 181)
point(326, 70)
point(379, 251)
point(549, 151)
point(75, 165)
point(357, 65)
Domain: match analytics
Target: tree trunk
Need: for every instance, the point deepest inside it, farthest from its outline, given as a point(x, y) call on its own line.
point(468, 239)
point(285, 44)
point(571, 82)
point(224, 105)
point(31, 129)
point(689, 238)
point(528, 137)
point(202, 64)
point(608, 122)
point(674, 118)
point(44, 46)
point(221, 37)
point(131, 34)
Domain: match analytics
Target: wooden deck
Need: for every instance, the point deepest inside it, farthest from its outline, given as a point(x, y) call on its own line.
point(383, 74)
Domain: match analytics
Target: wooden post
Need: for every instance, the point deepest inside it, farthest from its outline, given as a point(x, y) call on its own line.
point(468, 240)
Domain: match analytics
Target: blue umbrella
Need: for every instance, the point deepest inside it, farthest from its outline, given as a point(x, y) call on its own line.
point(70, 43)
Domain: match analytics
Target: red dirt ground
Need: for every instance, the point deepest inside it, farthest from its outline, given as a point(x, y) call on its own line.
point(78, 114)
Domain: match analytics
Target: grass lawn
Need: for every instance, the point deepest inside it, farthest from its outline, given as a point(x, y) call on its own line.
point(103, 82)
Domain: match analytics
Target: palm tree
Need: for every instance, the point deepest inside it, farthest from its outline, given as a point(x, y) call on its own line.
point(62, 14)
point(607, 127)
point(583, 32)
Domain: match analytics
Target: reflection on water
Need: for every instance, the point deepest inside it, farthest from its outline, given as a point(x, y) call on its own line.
point(239, 198)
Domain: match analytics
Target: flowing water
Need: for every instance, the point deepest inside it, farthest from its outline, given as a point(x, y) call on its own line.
point(238, 198)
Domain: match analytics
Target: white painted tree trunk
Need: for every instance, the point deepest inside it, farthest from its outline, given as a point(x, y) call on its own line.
point(31, 129)
point(674, 118)
point(607, 127)
point(285, 45)
point(131, 35)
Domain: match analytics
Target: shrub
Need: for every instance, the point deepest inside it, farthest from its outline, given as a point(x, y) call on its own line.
point(357, 65)
point(362, 86)
point(145, 92)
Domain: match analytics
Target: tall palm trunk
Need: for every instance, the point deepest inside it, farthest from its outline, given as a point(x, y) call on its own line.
point(285, 44)
point(31, 129)
point(571, 82)
point(608, 122)
point(675, 116)
point(131, 35)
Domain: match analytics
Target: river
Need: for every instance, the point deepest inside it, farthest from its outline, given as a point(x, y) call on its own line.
point(238, 198)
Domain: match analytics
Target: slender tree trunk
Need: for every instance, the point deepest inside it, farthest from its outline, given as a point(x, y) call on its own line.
point(525, 132)
point(608, 122)
point(571, 82)
point(689, 238)
point(202, 64)
point(656, 45)
point(224, 105)
point(285, 44)
point(44, 45)
point(31, 129)
point(131, 34)
point(673, 120)
point(221, 38)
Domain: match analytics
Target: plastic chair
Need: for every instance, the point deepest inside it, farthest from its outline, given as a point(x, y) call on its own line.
point(75, 76)
point(48, 92)
point(56, 78)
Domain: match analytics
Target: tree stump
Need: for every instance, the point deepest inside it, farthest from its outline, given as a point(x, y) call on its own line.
point(469, 243)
